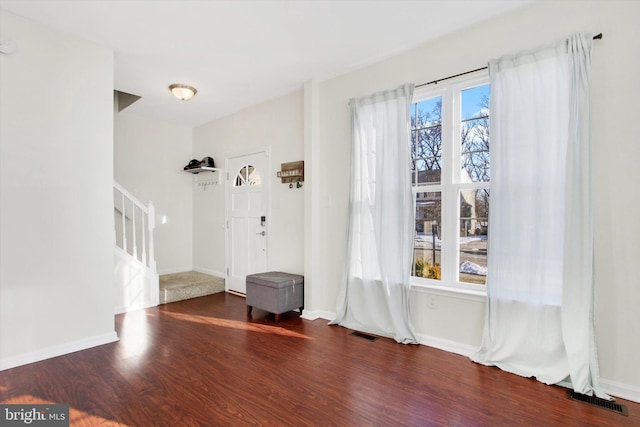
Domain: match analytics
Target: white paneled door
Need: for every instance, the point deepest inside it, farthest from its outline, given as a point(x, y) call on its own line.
point(247, 225)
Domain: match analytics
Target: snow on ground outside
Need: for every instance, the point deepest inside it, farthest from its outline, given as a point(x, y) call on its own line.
point(426, 242)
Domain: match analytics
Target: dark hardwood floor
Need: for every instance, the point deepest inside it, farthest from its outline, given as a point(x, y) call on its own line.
point(203, 362)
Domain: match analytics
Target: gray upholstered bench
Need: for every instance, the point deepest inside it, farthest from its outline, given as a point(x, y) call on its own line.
point(275, 292)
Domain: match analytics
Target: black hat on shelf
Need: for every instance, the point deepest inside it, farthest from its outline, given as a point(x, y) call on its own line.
point(192, 164)
point(207, 162)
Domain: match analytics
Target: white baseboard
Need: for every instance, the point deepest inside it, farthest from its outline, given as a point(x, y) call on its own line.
point(57, 350)
point(614, 388)
point(447, 345)
point(623, 391)
point(318, 314)
point(209, 272)
point(175, 270)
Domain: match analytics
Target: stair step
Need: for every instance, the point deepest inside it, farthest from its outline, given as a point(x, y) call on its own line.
point(191, 284)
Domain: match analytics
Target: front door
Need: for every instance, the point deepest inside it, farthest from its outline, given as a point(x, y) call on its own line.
point(247, 205)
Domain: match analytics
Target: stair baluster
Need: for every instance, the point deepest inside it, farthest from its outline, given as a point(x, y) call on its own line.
point(151, 221)
point(133, 231)
point(124, 226)
point(146, 217)
point(144, 241)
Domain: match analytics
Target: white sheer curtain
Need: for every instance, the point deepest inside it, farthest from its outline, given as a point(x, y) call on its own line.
point(374, 295)
point(539, 320)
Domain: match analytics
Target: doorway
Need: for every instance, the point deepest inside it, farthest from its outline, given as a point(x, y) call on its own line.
point(247, 222)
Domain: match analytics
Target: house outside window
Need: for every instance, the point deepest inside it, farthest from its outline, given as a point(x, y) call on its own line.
point(450, 169)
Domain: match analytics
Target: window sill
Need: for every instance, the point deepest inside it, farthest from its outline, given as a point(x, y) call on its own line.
point(479, 295)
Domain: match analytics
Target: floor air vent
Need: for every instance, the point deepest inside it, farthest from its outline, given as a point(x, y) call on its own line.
point(363, 335)
point(596, 401)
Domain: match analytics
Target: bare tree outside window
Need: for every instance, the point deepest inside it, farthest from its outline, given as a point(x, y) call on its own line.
point(426, 141)
point(475, 143)
point(426, 166)
point(470, 184)
point(474, 203)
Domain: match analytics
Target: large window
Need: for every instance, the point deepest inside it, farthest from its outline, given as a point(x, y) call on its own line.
point(450, 167)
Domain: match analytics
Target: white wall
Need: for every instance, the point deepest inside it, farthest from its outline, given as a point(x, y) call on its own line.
point(56, 203)
point(457, 322)
point(277, 124)
point(148, 160)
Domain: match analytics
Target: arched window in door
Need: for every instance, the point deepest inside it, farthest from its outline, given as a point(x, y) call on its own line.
point(247, 175)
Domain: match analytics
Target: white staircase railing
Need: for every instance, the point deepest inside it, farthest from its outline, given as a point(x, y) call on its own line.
point(135, 278)
point(135, 224)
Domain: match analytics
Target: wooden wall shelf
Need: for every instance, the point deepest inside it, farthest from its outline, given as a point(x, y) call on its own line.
point(291, 172)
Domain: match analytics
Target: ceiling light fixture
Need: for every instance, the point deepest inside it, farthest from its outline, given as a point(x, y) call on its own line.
point(183, 92)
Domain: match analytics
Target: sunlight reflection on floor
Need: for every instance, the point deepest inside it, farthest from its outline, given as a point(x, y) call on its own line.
point(135, 339)
point(235, 324)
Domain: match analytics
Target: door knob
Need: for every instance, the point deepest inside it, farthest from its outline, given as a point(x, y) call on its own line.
point(262, 233)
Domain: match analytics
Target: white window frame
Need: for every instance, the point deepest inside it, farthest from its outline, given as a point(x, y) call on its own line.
point(450, 185)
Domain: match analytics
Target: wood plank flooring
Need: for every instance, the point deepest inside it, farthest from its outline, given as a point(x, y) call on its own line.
point(202, 362)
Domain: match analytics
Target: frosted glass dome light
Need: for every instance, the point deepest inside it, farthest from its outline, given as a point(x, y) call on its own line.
point(183, 92)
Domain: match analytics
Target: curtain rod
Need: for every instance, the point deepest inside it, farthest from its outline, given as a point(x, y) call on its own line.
point(435, 82)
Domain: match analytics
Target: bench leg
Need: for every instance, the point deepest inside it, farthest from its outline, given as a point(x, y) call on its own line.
point(249, 308)
point(278, 318)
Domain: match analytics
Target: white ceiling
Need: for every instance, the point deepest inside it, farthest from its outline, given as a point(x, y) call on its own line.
point(241, 53)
